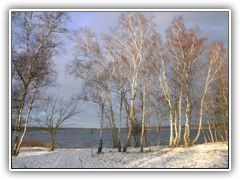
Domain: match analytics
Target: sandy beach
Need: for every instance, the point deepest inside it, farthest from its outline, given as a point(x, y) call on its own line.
point(214, 155)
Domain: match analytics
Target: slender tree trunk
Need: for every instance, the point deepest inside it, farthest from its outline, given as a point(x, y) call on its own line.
point(129, 129)
point(119, 124)
point(187, 130)
point(132, 116)
point(204, 136)
point(209, 125)
point(53, 133)
point(52, 147)
point(16, 131)
point(200, 118)
point(143, 117)
point(215, 133)
point(52, 143)
point(209, 139)
point(18, 122)
point(149, 122)
point(210, 131)
point(221, 136)
point(225, 131)
point(101, 131)
point(128, 116)
point(163, 81)
point(176, 128)
point(219, 129)
point(158, 131)
point(180, 118)
point(158, 134)
point(27, 118)
point(226, 135)
point(113, 123)
point(171, 140)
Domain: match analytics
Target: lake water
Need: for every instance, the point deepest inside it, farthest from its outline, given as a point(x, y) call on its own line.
point(83, 138)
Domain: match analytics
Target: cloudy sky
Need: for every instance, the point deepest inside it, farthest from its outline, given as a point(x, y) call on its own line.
point(213, 25)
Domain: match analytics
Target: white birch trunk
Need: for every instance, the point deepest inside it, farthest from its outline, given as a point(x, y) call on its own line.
point(113, 123)
point(120, 124)
point(18, 122)
point(149, 122)
point(180, 118)
point(187, 129)
point(176, 128)
point(132, 111)
point(27, 118)
point(171, 140)
point(143, 117)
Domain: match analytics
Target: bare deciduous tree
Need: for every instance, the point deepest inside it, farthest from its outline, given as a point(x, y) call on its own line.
point(217, 56)
point(90, 65)
point(53, 112)
point(120, 87)
point(34, 43)
point(130, 41)
point(126, 65)
point(159, 61)
point(185, 48)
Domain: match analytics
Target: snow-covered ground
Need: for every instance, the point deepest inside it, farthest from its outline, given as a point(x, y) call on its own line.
point(199, 156)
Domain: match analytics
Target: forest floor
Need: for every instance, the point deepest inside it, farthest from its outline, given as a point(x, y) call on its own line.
point(213, 155)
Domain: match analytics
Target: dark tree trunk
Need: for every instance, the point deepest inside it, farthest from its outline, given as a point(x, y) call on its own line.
point(101, 131)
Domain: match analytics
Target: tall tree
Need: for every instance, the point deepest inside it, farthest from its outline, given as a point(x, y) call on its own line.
point(34, 43)
point(130, 39)
point(159, 61)
point(184, 47)
point(217, 56)
point(90, 65)
point(120, 88)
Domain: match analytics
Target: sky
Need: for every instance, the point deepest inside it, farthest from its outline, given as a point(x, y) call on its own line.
point(213, 25)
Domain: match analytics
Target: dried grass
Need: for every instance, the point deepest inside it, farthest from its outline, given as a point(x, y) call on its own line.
point(34, 143)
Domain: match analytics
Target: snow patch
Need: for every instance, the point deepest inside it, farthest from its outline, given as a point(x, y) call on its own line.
point(199, 156)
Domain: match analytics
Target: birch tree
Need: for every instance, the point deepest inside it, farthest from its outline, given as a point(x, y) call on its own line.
point(217, 56)
point(34, 42)
point(109, 97)
point(185, 48)
point(130, 39)
point(120, 87)
point(159, 66)
point(91, 56)
point(221, 101)
point(143, 116)
point(158, 104)
point(89, 65)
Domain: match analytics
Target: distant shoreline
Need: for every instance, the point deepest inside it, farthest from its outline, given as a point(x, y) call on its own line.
point(94, 129)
